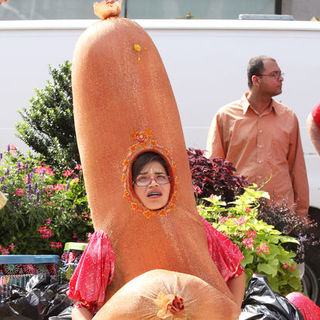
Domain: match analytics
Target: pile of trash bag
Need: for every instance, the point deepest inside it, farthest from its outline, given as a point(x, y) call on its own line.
point(43, 298)
point(261, 303)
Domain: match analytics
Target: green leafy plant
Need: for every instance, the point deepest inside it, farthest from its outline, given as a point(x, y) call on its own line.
point(261, 244)
point(285, 219)
point(48, 126)
point(45, 208)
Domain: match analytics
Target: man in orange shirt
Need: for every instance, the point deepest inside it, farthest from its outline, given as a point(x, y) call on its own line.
point(261, 137)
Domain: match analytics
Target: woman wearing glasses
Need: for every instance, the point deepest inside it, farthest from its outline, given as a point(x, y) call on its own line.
point(151, 182)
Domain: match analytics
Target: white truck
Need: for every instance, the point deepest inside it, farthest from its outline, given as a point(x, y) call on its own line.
point(205, 59)
point(206, 62)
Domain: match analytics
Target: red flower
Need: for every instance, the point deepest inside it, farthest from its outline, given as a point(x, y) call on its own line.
point(68, 173)
point(19, 192)
point(262, 248)
point(240, 221)
point(248, 242)
point(58, 187)
point(44, 170)
point(5, 251)
point(45, 232)
point(57, 245)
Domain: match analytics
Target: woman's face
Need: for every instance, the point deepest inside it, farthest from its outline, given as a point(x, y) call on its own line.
point(152, 186)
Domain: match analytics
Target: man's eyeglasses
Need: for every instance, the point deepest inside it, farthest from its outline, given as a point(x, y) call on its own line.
point(144, 181)
point(276, 76)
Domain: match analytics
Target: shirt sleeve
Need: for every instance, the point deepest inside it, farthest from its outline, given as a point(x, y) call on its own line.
point(316, 114)
point(226, 255)
point(93, 274)
point(298, 171)
point(215, 139)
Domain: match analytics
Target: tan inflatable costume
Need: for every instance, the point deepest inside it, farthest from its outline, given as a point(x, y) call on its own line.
point(123, 106)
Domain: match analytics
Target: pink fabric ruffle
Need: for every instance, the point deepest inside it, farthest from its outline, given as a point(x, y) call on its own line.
point(94, 272)
point(307, 307)
point(226, 255)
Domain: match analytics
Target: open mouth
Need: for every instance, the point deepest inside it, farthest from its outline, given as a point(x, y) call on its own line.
point(154, 194)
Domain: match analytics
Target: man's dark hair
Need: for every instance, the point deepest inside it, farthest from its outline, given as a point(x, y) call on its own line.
point(145, 158)
point(256, 67)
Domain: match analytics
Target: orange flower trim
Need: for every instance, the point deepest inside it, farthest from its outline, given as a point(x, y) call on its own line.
point(140, 136)
point(144, 141)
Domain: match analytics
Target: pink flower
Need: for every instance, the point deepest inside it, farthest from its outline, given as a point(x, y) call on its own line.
point(74, 236)
point(248, 242)
point(19, 192)
point(223, 220)
point(68, 173)
point(12, 149)
point(58, 187)
point(240, 221)
point(262, 248)
point(44, 170)
point(48, 221)
point(197, 190)
point(251, 234)
point(11, 246)
point(45, 232)
point(5, 251)
point(57, 245)
point(285, 265)
point(78, 167)
point(248, 210)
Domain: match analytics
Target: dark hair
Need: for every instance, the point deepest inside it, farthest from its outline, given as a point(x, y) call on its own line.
point(145, 158)
point(256, 67)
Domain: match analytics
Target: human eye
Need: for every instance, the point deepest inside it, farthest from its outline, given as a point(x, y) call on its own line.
point(162, 178)
point(143, 180)
point(276, 75)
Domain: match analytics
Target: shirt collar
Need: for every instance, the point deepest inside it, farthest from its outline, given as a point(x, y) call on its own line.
point(246, 104)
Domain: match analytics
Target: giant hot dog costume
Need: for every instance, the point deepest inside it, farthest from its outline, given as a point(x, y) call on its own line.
point(123, 106)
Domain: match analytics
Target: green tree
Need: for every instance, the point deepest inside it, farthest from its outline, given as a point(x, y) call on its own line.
point(48, 126)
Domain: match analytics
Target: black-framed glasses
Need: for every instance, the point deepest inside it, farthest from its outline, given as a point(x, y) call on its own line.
point(144, 181)
point(276, 76)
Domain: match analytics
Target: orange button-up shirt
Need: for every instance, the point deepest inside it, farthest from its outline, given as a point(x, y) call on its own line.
point(263, 146)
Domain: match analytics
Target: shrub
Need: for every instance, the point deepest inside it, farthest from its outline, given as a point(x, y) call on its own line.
point(45, 209)
point(47, 126)
point(214, 177)
point(284, 219)
point(261, 244)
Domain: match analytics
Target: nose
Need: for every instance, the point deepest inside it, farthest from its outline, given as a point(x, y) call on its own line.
point(153, 181)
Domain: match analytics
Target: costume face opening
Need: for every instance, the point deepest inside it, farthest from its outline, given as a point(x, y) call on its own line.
point(151, 180)
point(151, 164)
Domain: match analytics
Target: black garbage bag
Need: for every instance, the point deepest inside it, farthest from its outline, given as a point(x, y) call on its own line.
point(42, 298)
point(66, 314)
point(261, 303)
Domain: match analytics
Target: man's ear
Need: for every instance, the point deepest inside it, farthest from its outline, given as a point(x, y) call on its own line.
point(255, 80)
